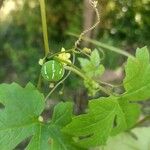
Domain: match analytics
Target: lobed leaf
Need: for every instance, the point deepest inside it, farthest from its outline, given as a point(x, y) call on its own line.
point(103, 118)
point(92, 66)
point(19, 118)
point(137, 80)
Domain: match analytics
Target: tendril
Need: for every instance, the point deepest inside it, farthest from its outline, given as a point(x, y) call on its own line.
point(93, 3)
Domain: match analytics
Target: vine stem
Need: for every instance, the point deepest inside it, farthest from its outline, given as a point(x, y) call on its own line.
point(44, 26)
point(75, 71)
point(85, 77)
point(45, 36)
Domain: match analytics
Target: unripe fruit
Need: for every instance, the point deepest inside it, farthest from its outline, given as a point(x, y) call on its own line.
point(52, 71)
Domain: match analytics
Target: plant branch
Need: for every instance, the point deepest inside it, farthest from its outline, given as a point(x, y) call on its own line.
point(44, 26)
point(45, 36)
point(75, 71)
point(85, 77)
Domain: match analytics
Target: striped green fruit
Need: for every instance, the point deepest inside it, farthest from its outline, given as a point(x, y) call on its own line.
point(52, 70)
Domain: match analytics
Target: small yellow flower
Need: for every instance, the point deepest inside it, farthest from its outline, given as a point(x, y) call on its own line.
point(64, 56)
point(87, 50)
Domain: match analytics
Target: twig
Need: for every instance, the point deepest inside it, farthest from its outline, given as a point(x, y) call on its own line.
point(45, 36)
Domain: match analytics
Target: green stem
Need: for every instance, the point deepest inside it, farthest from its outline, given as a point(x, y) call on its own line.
point(39, 82)
point(75, 71)
point(45, 36)
point(105, 46)
point(44, 26)
point(78, 72)
point(60, 82)
point(70, 64)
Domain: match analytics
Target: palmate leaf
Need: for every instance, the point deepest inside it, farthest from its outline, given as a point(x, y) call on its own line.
point(51, 132)
point(49, 136)
point(137, 85)
point(137, 79)
point(109, 116)
point(104, 118)
point(19, 120)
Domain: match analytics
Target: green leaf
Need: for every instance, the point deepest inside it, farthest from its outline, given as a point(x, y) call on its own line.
point(92, 67)
point(138, 140)
point(61, 141)
point(50, 136)
point(62, 116)
point(19, 118)
point(95, 58)
point(99, 71)
point(137, 80)
point(40, 140)
point(104, 117)
point(84, 62)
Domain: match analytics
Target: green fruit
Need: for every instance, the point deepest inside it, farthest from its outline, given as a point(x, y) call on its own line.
point(52, 70)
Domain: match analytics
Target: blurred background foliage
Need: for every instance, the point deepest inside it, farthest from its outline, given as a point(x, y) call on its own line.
point(124, 24)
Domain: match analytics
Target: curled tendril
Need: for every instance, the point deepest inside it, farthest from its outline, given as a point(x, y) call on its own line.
point(94, 6)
